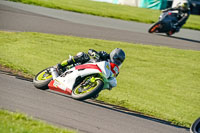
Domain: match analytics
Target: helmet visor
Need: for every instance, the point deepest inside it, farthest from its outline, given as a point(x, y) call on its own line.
point(118, 61)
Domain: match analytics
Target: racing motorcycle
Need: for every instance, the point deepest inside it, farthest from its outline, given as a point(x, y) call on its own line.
point(195, 128)
point(165, 23)
point(80, 81)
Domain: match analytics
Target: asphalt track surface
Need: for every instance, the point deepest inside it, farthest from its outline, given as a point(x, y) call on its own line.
point(88, 116)
point(17, 94)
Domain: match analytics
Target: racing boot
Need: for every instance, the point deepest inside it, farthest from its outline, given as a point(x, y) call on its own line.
point(64, 65)
point(80, 58)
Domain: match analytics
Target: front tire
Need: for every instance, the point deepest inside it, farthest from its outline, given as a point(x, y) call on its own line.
point(42, 79)
point(154, 27)
point(195, 128)
point(88, 91)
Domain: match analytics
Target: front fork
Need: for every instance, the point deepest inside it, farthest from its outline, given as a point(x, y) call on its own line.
point(88, 81)
point(54, 72)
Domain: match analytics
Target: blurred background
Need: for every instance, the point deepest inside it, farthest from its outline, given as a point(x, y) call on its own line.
point(157, 4)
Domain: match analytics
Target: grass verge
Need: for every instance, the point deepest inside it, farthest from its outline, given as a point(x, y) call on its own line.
point(19, 123)
point(158, 81)
point(109, 10)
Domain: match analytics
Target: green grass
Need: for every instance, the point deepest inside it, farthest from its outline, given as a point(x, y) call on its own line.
point(11, 122)
point(158, 81)
point(110, 10)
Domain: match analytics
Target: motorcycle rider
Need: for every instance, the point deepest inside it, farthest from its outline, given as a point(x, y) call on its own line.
point(182, 15)
point(117, 56)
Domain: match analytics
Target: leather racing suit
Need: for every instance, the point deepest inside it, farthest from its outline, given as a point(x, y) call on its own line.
point(81, 58)
point(182, 16)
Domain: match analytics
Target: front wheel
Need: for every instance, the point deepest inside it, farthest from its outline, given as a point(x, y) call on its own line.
point(42, 79)
point(90, 87)
point(195, 128)
point(154, 28)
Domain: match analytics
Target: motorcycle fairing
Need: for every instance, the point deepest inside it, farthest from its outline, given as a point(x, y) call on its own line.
point(106, 69)
point(66, 83)
point(55, 85)
point(94, 68)
point(167, 19)
point(87, 66)
point(114, 68)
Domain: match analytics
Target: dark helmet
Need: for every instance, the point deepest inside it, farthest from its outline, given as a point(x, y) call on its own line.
point(117, 56)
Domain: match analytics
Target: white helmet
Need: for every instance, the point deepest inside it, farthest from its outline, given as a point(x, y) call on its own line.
point(184, 5)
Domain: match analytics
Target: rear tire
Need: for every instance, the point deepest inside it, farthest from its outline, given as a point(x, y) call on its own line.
point(87, 95)
point(171, 32)
point(42, 79)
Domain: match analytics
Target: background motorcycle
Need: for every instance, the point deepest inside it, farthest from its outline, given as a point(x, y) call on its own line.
point(165, 24)
point(81, 81)
point(195, 128)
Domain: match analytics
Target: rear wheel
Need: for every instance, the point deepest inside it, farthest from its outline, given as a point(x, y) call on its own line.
point(90, 87)
point(154, 28)
point(170, 32)
point(42, 79)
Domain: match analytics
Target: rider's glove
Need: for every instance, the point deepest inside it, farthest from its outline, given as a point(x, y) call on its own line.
point(95, 55)
point(103, 55)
